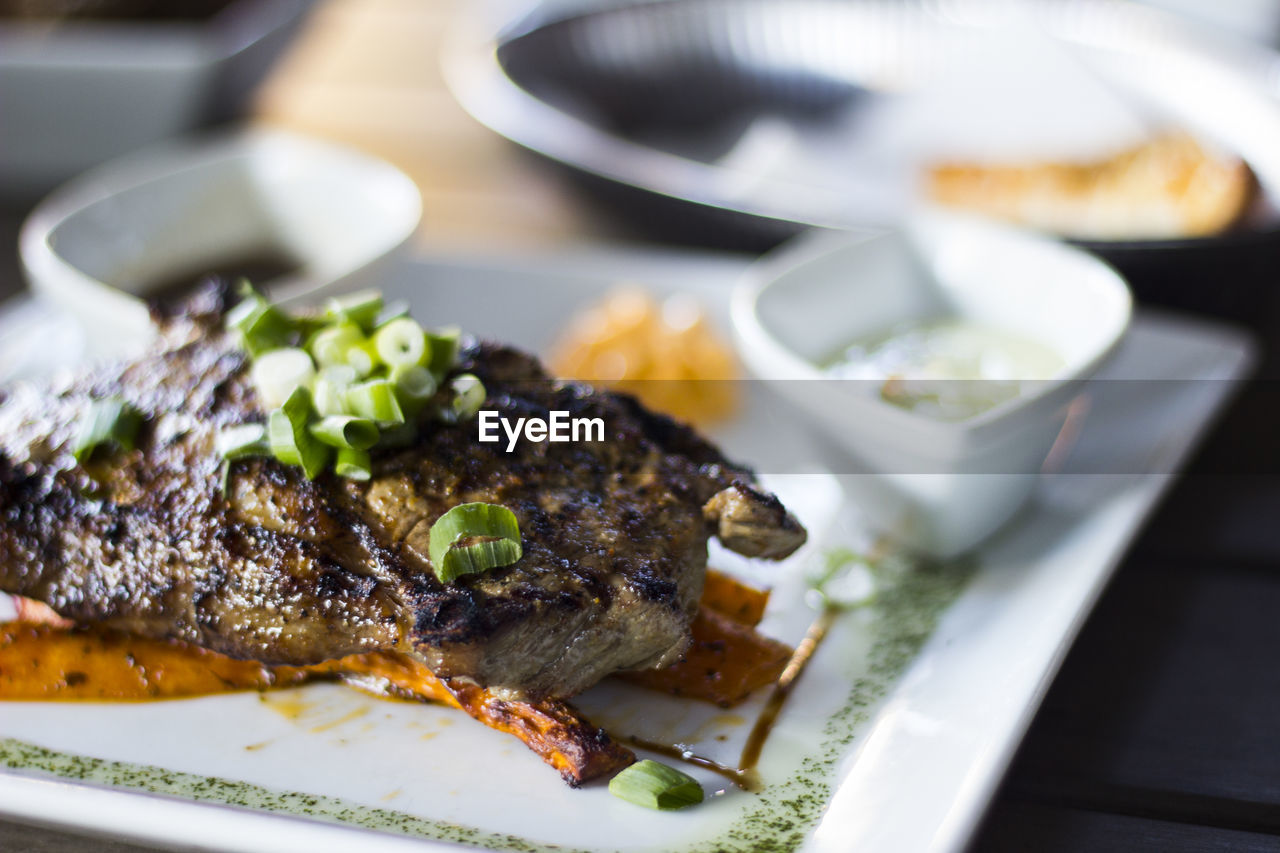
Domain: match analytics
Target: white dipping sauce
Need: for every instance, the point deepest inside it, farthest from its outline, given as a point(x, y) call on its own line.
point(948, 368)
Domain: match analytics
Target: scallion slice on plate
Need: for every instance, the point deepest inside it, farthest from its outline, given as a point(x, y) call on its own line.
point(444, 349)
point(241, 441)
point(329, 391)
point(328, 397)
point(291, 441)
point(469, 396)
point(400, 343)
point(376, 400)
point(277, 373)
point(354, 464)
point(261, 325)
point(109, 421)
point(356, 377)
point(361, 308)
point(361, 357)
point(473, 537)
point(414, 384)
point(656, 786)
point(329, 345)
point(346, 432)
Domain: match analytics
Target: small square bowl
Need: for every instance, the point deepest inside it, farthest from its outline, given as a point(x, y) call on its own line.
point(77, 92)
point(102, 242)
point(938, 486)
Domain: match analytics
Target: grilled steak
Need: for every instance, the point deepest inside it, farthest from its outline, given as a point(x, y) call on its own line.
point(281, 569)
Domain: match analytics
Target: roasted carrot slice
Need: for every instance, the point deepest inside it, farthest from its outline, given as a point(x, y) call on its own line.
point(731, 597)
point(48, 662)
point(555, 730)
point(726, 661)
point(727, 658)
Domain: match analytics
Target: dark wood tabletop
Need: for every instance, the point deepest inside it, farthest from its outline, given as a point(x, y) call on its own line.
point(1162, 729)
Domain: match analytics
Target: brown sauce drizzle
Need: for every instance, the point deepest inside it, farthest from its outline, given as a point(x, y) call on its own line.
point(782, 690)
point(747, 779)
point(745, 775)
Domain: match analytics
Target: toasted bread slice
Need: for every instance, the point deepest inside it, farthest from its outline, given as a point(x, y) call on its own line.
point(1170, 187)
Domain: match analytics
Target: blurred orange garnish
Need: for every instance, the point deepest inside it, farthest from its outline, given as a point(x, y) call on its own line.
point(665, 353)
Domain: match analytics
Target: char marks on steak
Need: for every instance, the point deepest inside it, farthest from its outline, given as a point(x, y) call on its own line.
point(281, 569)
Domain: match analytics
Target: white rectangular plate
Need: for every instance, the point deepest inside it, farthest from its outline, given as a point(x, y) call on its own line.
point(894, 741)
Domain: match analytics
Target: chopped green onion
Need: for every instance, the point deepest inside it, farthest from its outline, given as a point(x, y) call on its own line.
point(346, 431)
point(277, 373)
point(250, 303)
point(361, 308)
point(375, 400)
point(307, 324)
point(401, 343)
point(109, 421)
point(224, 477)
point(444, 349)
point(468, 396)
point(328, 398)
point(329, 391)
point(353, 464)
point(291, 442)
point(261, 325)
point(341, 375)
point(361, 357)
point(244, 440)
point(477, 555)
point(414, 385)
point(656, 786)
point(330, 344)
point(352, 377)
point(473, 537)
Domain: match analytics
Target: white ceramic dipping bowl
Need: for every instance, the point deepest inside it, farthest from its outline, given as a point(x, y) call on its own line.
point(106, 239)
point(938, 487)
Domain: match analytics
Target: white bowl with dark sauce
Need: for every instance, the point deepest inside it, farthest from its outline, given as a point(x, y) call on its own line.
point(286, 210)
point(944, 360)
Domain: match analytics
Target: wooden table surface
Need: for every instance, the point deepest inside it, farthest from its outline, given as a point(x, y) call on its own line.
point(367, 73)
point(1162, 731)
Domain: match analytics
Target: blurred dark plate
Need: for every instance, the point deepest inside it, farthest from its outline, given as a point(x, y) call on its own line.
point(77, 92)
point(651, 106)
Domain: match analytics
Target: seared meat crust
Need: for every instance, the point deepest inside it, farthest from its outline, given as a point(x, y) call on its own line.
point(289, 571)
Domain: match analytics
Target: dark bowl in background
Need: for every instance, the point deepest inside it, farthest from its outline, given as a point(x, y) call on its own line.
point(635, 104)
